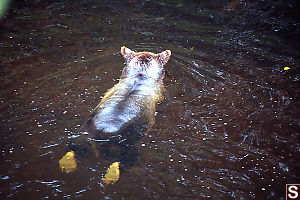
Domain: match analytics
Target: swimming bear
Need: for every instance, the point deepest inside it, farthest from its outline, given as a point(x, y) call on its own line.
point(126, 112)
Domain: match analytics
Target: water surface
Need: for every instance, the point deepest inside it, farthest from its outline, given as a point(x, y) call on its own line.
point(229, 128)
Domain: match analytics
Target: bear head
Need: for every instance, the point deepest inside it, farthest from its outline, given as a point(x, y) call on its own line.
point(145, 64)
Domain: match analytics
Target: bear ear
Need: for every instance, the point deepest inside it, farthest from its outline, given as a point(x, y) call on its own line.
point(127, 53)
point(164, 56)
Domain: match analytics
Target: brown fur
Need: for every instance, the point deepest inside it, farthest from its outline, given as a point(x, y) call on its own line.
point(127, 110)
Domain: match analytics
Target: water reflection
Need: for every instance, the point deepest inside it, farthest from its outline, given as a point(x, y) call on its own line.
point(228, 129)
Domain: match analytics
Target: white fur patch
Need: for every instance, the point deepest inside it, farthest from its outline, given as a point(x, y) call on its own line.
point(151, 70)
point(110, 118)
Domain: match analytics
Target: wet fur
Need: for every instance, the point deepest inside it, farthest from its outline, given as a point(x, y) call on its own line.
point(127, 110)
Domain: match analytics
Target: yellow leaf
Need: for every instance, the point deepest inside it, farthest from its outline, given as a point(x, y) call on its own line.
point(68, 162)
point(192, 48)
point(286, 68)
point(112, 174)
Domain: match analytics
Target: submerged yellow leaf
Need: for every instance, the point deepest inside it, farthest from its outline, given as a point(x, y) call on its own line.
point(112, 174)
point(286, 68)
point(68, 162)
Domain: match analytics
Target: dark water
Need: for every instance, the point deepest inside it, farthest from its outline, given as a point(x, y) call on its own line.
point(228, 130)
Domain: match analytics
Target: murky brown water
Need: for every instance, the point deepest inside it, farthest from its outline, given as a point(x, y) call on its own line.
point(229, 128)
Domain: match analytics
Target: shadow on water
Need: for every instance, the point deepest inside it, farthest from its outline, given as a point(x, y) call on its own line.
point(229, 128)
